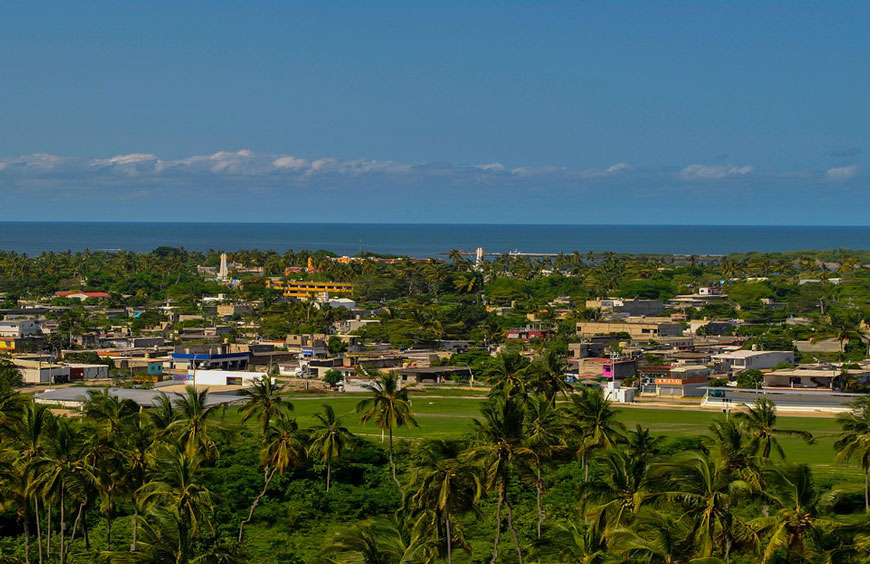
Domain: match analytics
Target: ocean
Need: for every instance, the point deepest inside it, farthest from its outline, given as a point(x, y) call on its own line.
point(425, 240)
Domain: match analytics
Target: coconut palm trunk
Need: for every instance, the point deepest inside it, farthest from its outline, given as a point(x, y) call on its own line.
point(48, 532)
point(867, 490)
point(449, 538)
point(72, 536)
point(393, 462)
point(268, 475)
point(26, 537)
point(328, 474)
point(497, 525)
point(510, 522)
point(62, 553)
point(38, 528)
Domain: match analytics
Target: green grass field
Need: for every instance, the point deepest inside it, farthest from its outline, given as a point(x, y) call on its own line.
point(450, 417)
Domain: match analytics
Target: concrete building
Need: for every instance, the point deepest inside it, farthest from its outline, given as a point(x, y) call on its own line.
point(309, 345)
point(604, 368)
point(82, 296)
point(590, 347)
point(682, 381)
point(433, 374)
point(822, 346)
point(609, 306)
point(19, 328)
point(220, 378)
point(638, 330)
point(334, 303)
point(309, 288)
point(209, 357)
point(38, 372)
point(738, 361)
point(727, 399)
point(87, 371)
point(529, 333)
point(815, 379)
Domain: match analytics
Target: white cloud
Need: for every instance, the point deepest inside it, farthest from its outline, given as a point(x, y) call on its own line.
point(289, 162)
point(492, 166)
point(132, 158)
point(713, 172)
point(841, 172)
point(613, 169)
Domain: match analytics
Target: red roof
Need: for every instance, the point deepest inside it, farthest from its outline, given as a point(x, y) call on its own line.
point(88, 294)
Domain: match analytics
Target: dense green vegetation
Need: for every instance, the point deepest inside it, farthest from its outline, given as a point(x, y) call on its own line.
point(533, 473)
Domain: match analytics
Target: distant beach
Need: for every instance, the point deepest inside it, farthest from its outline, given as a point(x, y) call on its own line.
point(425, 240)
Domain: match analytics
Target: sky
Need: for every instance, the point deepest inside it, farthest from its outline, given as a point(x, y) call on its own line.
point(436, 112)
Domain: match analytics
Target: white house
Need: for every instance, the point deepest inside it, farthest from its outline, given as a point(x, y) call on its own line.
point(221, 377)
point(19, 328)
point(738, 361)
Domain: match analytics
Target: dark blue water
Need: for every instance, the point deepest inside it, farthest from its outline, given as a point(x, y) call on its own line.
point(427, 239)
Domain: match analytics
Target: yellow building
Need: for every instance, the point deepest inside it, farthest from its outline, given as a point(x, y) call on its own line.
point(309, 289)
point(7, 345)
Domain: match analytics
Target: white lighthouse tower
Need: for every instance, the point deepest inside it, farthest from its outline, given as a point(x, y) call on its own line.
point(223, 272)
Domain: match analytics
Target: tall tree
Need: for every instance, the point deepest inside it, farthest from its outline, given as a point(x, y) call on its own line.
point(263, 402)
point(760, 422)
point(389, 407)
point(329, 438)
point(445, 489)
point(593, 419)
point(498, 448)
point(194, 426)
point(545, 437)
point(178, 504)
point(854, 441)
point(281, 450)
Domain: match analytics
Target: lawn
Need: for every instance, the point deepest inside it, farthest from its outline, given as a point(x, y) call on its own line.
point(450, 417)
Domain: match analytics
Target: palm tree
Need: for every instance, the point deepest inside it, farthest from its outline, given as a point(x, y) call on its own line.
point(328, 438)
point(163, 414)
point(573, 542)
point(281, 450)
point(544, 432)
point(63, 471)
point(844, 326)
point(100, 407)
point(499, 446)
point(619, 491)
point(797, 529)
point(548, 374)
point(263, 402)
point(657, 538)
point(707, 491)
point(854, 441)
point(389, 407)
point(193, 426)
point(592, 418)
point(377, 541)
point(643, 444)
point(137, 442)
point(179, 505)
point(760, 422)
point(36, 422)
point(445, 489)
point(507, 373)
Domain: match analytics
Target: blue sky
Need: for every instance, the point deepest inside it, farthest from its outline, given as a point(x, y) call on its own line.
point(544, 112)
